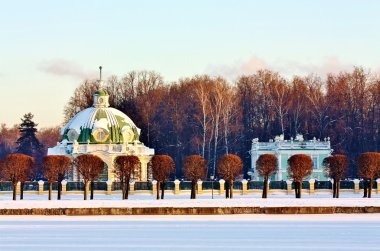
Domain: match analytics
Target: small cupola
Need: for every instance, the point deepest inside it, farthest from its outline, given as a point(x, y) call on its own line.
point(101, 96)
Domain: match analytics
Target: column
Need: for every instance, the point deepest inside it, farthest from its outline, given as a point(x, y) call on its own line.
point(199, 184)
point(222, 189)
point(176, 187)
point(312, 186)
point(132, 187)
point(18, 188)
point(41, 187)
point(289, 186)
point(356, 186)
point(378, 186)
point(144, 168)
point(244, 186)
point(109, 187)
point(154, 187)
point(64, 186)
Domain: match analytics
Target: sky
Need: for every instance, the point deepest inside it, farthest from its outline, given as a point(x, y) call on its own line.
point(49, 47)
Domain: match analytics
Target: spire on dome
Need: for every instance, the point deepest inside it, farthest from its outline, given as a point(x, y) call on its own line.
point(101, 96)
point(101, 82)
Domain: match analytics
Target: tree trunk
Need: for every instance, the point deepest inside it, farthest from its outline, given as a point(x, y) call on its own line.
point(126, 189)
point(227, 186)
point(193, 188)
point(231, 189)
point(299, 189)
point(158, 189)
point(14, 190)
point(365, 188)
point(123, 190)
point(59, 189)
point(22, 190)
point(265, 188)
point(334, 189)
point(296, 188)
point(85, 190)
point(337, 188)
point(162, 190)
point(370, 188)
point(50, 189)
point(92, 190)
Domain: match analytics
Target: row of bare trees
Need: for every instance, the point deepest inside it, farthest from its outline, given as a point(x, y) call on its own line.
point(210, 116)
point(335, 166)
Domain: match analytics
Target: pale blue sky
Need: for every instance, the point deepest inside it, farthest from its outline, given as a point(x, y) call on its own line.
point(48, 47)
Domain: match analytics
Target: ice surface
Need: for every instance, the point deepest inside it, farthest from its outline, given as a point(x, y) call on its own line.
point(251, 200)
point(221, 232)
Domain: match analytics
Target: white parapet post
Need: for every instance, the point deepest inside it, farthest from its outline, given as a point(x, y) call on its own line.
point(244, 186)
point(289, 186)
point(64, 186)
point(41, 187)
point(199, 186)
point(176, 187)
point(18, 188)
point(132, 187)
point(378, 185)
point(311, 186)
point(356, 186)
point(109, 187)
point(222, 189)
point(154, 187)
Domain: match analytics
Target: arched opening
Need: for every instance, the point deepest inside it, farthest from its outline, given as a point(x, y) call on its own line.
point(104, 174)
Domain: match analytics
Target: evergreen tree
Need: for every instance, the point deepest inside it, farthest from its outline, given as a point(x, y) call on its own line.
point(28, 143)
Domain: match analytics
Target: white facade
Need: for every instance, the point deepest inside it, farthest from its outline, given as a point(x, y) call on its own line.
point(284, 149)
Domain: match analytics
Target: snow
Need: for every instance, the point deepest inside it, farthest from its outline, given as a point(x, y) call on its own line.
point(220, 232)
point(80, 120)
point(138, 201)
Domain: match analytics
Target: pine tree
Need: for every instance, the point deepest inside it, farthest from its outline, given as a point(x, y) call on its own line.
point(28, 143)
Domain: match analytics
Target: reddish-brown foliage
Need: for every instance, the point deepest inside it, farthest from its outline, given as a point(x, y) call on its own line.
point(162, 167)
point(55, 168)
point(230, 167)
point(368, 169)
point(194, 168)
point(266, 165)
point(17, 168)
point(299, 167)
point(126, 168)
point(89, 167)
point(336, 167)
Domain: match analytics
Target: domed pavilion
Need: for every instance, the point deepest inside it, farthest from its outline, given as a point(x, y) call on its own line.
point(105, 132)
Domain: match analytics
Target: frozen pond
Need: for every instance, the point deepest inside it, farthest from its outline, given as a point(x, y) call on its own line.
point(221, 232)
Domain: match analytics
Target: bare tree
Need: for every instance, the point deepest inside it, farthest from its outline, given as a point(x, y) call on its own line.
point(126, 167)
point(229, 167)
point(194, 168)
point(368, 169)
point(266, 165)
point(17, 168)
point(55, 168)
point(336, 167)
point(299, 167)
point(89, 167)
point(162, 168)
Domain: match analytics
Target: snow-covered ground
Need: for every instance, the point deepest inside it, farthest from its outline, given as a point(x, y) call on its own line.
point(76, 201)
point(220, 232)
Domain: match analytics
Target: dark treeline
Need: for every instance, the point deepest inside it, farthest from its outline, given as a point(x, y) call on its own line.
point(211, 116)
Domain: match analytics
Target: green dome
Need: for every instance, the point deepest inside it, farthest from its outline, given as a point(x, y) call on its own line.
point(101, 125)
point(101, 92)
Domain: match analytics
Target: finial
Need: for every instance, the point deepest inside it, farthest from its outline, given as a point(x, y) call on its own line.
point(100, 69)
